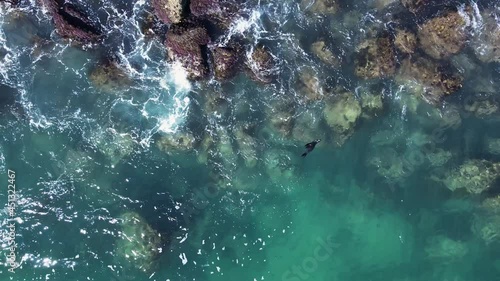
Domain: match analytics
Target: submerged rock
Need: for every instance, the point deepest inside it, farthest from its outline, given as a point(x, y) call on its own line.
point(138, 243)
point(113, 145)
point(405, 41)
point(439, 157)
point(388, 164)
point(281, 117)
point(308, 86)
point(445, 249)
point(110, 77)
point(176, 142)
point(444, 36)
point(474, 176)
point(320, 7)
point(493, 146)
point(247, 146)
point(428, 79)
point(262, 64)
point(308, 127)
point(279, 165)
point(186, 43)
point(482, 106)
point(375, 58)
point(417, 6)
point(324, 53)
point(169, 11)
point(341, 113)
point(487, 228)
point(486, 40)
point(72, 23)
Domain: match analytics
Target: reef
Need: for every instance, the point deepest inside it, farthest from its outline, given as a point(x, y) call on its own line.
point(139, 243)
point(428, 79)
point(375, 58)
point(187, 43)
point(341, 113)
point(474, 176)
point(72, 23)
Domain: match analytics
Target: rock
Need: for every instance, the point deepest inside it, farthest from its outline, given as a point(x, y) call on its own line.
point(110, 77)
point(279, 165)
point(320, 7)
point(439, 157)
point(341, 113)
point(281, 117)
point(186, 43)
point(307, 127)
point(443, 36)
point(247, 146)
point(138, 243)
point(487, 227)
point(474, 176)
point(482, 105)
point(169, 11)
point(113, 145)
point(308, 86)
point(417, 6)
point(428, 79)
point(445, 249)
point(493, 146)
point(405, 41)
point(375, 58)
point(371, 104)
point(491, 205)
point(71, 23)
point(388, 164)
point(175, 142)
point(382, 4)
point(226, 61)
point(262, 64)
point(486, 40)
point(221, 12)
point(321, 51)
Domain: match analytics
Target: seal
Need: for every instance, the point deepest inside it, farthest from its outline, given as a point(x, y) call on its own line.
point(310, 147)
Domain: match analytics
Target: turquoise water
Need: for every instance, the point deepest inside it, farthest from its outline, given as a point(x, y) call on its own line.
point(97, 199)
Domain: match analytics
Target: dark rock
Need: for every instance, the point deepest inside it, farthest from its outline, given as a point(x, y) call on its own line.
point(170, 11)
point(221, 12)
point(71, 23)
point(187, 44)
point(226, 61)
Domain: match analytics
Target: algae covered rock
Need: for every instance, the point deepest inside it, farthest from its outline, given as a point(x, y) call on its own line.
point(110, 77)
point(71, 22)
point(444, 35)
point(186, 43)
point(341, 113)
point(405, 41)
point(262, 64)
point(375, 58)
point(473, 176)
point(169, 11)
point(321, 50)
point(138, 243)
point(439, 157)
point(445, 249)
point(482, 106)
point(428, 79)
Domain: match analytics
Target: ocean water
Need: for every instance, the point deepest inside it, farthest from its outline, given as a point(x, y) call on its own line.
point(96, 199)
